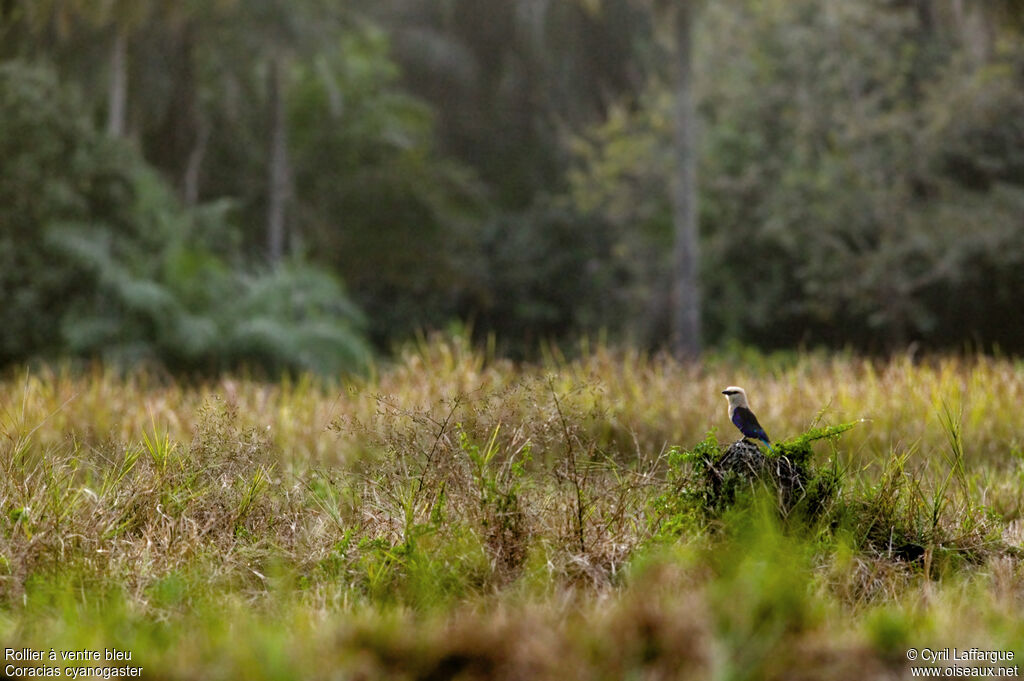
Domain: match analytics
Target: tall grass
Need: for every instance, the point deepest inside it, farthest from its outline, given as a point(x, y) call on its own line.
point(456, 515)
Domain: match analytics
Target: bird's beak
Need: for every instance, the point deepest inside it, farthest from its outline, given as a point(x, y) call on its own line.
point(725, 392)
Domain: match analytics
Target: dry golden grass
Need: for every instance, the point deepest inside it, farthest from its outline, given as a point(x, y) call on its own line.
point(455, 516)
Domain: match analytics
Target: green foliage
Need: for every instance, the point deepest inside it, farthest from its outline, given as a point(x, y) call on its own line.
point(861, 163)
point(372, 198)
point(101, 260)
point(882, 141)
point(899, 517)
point(798, 449)
point(834, 174)
point(293, 317)
point(889, 631)
point(511, 268)
point(709, 479)
point(770, 574)
point(507, 80)
point(681, 510)
point(499, 483)
point(399, 181)
point(55, 168)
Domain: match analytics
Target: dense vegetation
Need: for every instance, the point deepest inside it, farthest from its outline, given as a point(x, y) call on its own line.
point(501, 164)
point(233, 443)
point(459, 517)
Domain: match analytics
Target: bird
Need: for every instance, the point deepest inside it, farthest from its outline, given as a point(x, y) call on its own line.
point(742, 417)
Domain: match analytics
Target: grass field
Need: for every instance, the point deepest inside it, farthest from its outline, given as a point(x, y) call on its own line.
point(456, 516)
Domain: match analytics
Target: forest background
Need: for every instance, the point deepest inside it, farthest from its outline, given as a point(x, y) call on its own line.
point(303, 184)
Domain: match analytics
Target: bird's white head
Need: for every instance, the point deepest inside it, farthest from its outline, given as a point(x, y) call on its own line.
point(737, 397)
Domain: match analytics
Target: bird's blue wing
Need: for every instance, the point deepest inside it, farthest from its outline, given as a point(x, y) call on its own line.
point(745, 420)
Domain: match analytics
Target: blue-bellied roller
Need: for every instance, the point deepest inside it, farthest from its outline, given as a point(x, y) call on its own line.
point(742, 417)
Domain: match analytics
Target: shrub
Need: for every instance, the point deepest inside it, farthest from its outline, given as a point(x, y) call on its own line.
point(123, 272)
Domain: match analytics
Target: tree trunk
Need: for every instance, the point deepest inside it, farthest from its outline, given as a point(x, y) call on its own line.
point(190, 180)
point(178, 145)
point(118, 90)
point(925, 16)
point(976, 32)
point(279, 171)
point(685, 288)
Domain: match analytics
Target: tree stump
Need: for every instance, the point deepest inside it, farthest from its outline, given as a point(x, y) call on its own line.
point(744, 461)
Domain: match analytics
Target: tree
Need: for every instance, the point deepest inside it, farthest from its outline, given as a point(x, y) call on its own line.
point(533, 70)
point(872, 179)
point(279, 182)
point(373, 197)
point(273, 34)
point(978, 23)
point(686, 327)
point(678, 20)
point(116, 18)
point(98, 258)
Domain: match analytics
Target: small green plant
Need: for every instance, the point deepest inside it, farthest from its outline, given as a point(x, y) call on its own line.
point(899, 518)
point(160, 448)
point(763, 593)
point(252, 488)
point(498, 483)
point(682, 507)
